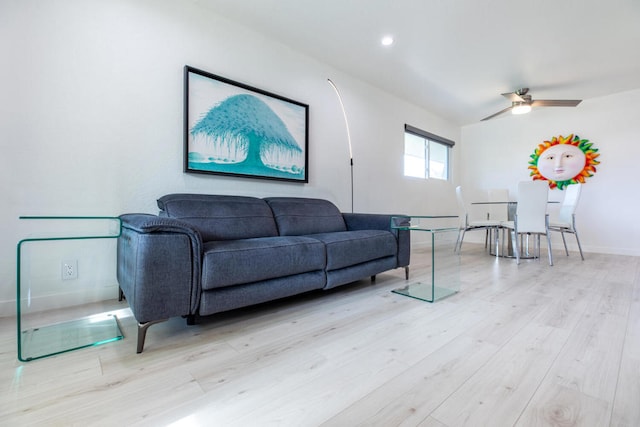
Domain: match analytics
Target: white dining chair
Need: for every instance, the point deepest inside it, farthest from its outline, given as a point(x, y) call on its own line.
point(566, 222)
point(468, 225)
point(499, 211)
point(531, 217)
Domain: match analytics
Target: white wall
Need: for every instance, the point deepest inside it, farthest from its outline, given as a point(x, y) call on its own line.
point(495, 154)
point(91, 121)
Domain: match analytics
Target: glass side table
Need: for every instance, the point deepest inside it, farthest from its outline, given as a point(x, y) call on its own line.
point(47, 274)
point(443, 277)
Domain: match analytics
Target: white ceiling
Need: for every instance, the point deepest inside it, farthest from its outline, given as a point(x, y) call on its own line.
point(455, 57)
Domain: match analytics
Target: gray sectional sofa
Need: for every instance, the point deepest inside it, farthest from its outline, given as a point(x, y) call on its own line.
point(205, 254)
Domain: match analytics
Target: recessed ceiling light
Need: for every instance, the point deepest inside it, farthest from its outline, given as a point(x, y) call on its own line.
point(387, 41)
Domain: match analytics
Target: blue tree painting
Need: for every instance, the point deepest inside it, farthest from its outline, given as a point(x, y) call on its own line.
point(243, 135)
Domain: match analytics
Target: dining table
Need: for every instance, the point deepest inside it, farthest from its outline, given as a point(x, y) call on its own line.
point(507, 250)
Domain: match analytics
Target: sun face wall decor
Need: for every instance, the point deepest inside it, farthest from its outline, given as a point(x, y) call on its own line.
point(564, 161)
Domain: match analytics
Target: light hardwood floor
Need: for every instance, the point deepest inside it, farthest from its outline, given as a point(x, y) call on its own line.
point(528, 345)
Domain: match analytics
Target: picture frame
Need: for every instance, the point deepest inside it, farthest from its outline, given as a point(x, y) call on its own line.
point(234, 129)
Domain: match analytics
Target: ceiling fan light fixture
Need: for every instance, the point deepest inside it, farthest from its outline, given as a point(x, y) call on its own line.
point(520, 108)
point(521, 103)
point(387, 40)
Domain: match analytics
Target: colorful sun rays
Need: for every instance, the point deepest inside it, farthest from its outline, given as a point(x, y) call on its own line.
point(586, 147)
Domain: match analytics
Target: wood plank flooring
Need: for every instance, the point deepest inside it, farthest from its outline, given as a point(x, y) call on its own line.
point(528, 345)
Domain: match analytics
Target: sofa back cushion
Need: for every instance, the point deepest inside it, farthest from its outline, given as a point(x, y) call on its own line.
point(298, 216)
point(221, 217)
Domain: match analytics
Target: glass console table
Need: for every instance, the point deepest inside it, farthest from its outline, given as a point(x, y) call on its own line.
point(48, 285)
point(443, 276)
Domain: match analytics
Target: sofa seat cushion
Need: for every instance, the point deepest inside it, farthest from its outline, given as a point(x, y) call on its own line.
point(348, 248)
point(234, 262)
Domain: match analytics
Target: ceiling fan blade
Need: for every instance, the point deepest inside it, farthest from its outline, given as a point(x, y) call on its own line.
point(513, 97)
point(496, 114)
point(556, 102)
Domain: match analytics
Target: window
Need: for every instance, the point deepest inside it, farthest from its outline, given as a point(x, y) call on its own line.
point(425, 155)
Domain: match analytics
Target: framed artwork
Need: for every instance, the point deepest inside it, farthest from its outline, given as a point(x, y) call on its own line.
point(563, 161)
point(234, 129)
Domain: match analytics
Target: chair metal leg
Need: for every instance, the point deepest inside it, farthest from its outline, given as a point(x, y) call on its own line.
point(524, 245)
point(575, 232)
point(487, 233)
point(516, 247)
point(565, 243)
point(461, 240)
point(458, 246)
point(549, 248)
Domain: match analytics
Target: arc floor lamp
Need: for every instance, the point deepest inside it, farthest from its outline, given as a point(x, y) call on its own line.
point(346, 122)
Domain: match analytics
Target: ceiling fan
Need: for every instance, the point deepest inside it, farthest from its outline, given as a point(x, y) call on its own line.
point(521, 102)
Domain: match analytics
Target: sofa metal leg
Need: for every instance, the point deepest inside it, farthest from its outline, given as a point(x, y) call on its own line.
point(406, 273)
point(191, 319)
point(142, 332)
point(121, 296)
point(373, 279)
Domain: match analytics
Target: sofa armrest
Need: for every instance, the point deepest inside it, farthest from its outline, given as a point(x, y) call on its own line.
point(362, 221)
point(158, 266)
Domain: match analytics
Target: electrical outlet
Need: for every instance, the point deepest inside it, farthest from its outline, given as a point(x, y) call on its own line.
point(69, 269)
